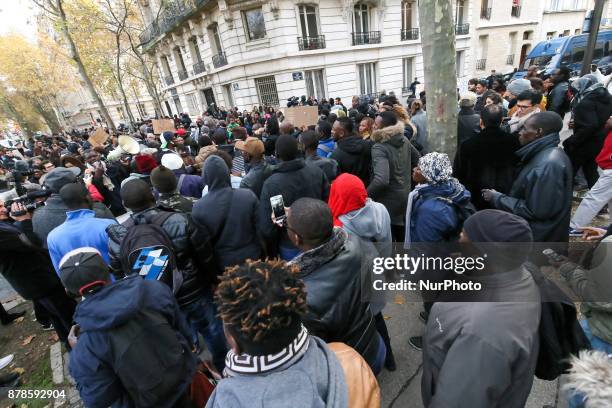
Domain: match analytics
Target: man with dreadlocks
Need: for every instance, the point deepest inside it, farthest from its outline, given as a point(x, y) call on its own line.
point(273, 359)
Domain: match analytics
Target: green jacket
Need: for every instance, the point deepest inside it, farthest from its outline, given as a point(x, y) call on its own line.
point(594, 288)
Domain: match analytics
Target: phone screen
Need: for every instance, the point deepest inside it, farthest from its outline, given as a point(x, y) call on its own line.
point(278, 207)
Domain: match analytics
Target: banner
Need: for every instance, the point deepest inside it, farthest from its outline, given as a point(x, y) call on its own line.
point(98, 138)
point(302, 115)
point(162, 125)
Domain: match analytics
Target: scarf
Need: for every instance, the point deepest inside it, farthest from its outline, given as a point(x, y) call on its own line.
point(245, 364)
point(347, 194)
point(311, 260)
point(412, 197)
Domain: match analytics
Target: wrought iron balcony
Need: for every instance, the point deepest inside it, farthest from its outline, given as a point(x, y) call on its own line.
point(510, 59)
point(172, 15)
point(219, 60)
point(182, 74)
point(462, 29)
point(199, 67)
point(169, 80)
point(368, 37)
point(485, 12)
point(410, 34)
point(516, 11)
point(481, 64)
point(311, 43)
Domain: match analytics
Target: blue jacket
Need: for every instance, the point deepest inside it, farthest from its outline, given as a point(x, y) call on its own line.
point(326, 147)
point(192, 184)
point(433, 219)
point(91, 361)
point(81, 229)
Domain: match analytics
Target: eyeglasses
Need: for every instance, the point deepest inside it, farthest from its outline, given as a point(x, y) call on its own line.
point(523, 106)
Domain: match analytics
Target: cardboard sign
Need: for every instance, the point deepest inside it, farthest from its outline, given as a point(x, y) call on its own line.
point(98, 138)
point(302, 115)
point(162, 125)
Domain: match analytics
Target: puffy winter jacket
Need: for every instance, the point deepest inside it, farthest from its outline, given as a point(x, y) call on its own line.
point(353, 156)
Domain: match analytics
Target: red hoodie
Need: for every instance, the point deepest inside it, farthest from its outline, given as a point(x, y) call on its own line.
point(347, 193)
point(604, 158)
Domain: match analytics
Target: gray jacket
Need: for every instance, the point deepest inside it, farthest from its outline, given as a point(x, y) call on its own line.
point(483, 354)
point(421, 140)
point(314, 381)
point(542, 191)
point(53, 214)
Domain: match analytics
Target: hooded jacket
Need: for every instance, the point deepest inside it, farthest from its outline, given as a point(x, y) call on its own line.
point(237, 237)
point(255, 177)
point(487, 160)
point(314, 381)
point(433, 218)
point(393, 158)
point(353, 155)
point(468, 125)
point(92, 360)
point(421, 141)
point(329, 166)
point(557, 100)
point(591, 376)
point(542, 190)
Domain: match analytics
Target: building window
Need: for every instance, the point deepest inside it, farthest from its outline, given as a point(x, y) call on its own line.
point(516, 8)
point(227, 95)
point(308, 21)
point(142, 110)
point(266, 88)
point(120, 112)
point(554, 5)
point(566, 33)
point(367, 78)
point(459, 63)
point(315, 83)
point(577, 31)
point(408, 71)
point(483, 48)
point(177, 104)
point(460, 12)
point(361, 18)
point(254, 24)
point(166, 70)
point(408, 14)
point(180, 64)
point(168, 108)
point(550, 35)
point(215, 39)
point(527, 35)
point(485, 9)
point(195, 50)
point(192, 104)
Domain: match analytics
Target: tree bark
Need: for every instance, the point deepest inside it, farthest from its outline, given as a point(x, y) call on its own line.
point(82, 71)
point(49, 117)
point(438, 42)
point(128, 111)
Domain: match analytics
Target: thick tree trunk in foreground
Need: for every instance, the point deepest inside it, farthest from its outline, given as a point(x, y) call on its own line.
point(438, 42)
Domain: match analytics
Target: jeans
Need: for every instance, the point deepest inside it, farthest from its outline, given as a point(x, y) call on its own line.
point(597, 197)
point(202, 315)
point(380, 356)
point(577, 399)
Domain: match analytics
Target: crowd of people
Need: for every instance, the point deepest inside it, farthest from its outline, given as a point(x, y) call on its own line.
point(238, 239)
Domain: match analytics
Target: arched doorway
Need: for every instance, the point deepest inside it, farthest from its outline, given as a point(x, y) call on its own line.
point(524, 51)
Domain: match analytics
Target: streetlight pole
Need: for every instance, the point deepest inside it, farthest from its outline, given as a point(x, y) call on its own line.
point(592, 41)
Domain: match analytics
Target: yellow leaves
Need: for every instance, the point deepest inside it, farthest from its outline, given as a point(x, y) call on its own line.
point(28, 340)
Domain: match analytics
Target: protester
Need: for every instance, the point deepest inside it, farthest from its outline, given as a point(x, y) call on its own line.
point(481, 87)
point(487, 159)
point(330, 264)
point(418, 116)
point(252, 150)
point(310, 142)
point(292, 179)
point(366, 126)
point(131, 343)
point(352, 153)
point(392, 158)
point(327, 144)
point(165, 182)
point(514, 89)
point(527, 105)
point(468, 121)
point(496, 339)
point(542, 191)
point(558, 100)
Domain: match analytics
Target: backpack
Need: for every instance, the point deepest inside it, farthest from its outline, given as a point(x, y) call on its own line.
point(146, 250)
point(560, 333)
point(150, 371)
point(463, 211)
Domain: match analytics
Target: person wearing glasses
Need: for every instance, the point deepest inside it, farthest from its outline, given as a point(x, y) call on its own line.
point(527, 105)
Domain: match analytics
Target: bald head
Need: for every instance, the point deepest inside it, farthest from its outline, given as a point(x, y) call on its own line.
point(549, 122)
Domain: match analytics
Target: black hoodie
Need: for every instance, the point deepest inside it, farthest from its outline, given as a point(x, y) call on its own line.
point(353, 155)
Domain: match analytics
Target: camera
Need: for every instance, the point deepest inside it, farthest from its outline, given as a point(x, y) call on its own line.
point(28, 200)
point(293, 101)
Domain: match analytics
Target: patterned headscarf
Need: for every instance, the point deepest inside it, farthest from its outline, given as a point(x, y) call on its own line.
point(436, 167)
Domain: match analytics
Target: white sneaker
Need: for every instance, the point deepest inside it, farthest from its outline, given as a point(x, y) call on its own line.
point(4, 361)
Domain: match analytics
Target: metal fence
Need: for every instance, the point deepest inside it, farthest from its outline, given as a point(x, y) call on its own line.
point(266, 88)
point(219, 60)
point(410, 34)
point(368, 37)
point(199, 67)
point(311, 43)
point(462, 29)
point(481, 64)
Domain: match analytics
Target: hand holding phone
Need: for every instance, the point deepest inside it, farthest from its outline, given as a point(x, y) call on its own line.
point(278, 210)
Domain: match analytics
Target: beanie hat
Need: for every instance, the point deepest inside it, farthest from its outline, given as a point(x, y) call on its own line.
point(467, 99)
point(82, 269)
point(436, 167)
point(180, 132)
point(164, 180)
point(59, 177)
point(518, 85)
point(145, 164)
point(497, 226)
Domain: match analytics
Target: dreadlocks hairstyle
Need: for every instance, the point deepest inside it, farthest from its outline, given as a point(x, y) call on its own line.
point(261, 304)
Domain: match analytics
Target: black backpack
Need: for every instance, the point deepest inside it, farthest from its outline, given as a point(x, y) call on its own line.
point(150, 371)
point(146, 250)
point(561, 336)
point(463, 211)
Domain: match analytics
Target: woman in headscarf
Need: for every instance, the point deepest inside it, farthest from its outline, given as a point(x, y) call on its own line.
point(591, 108)
point(357, 214)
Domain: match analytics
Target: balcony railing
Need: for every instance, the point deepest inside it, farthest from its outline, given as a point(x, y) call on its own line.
point(219, 60)
point(410, 34)
point(481, 64)
point(169, 80)
point(368, 37)
point(199, 67)
point(311, 43)
point(485, 12)
point(510, 59)
point(182, 74)
point(462, 29)
point(172, 14)
point(516, 11)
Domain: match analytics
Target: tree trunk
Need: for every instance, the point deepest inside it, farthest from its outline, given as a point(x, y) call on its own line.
point(48, 115)
point(438, 42)
point(82, 71)
point(128, 111)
